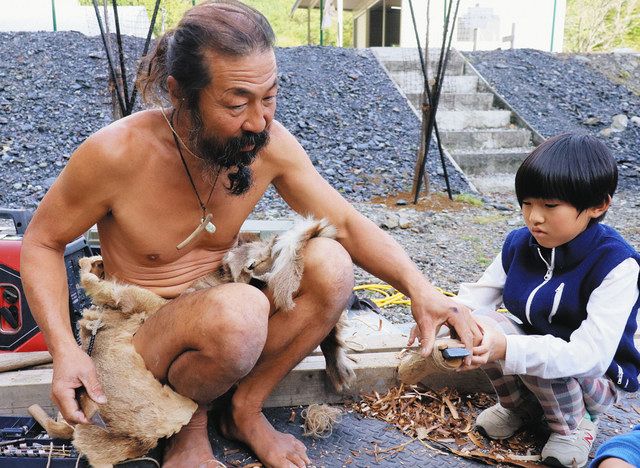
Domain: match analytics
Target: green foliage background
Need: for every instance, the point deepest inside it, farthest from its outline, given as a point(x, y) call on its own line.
point(590, 25)
point(290, 31)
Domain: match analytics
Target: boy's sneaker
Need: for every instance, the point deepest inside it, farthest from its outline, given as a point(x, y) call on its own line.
point(499, 422)
point(572, 449)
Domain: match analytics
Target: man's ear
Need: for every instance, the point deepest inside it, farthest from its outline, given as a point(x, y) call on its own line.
point(597, 211)
point(175, 95)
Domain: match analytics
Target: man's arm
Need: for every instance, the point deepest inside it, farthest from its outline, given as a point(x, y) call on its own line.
point(77, 199)
point(371, 248)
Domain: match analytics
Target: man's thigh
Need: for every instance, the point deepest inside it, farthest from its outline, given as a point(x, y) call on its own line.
point(210, 321)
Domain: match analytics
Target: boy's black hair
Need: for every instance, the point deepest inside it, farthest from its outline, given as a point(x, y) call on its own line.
point(573, 167)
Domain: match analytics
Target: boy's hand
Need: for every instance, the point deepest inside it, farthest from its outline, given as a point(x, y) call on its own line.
point(493, 346)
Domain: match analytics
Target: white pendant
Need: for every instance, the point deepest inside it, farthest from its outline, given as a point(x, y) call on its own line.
point(210, 227)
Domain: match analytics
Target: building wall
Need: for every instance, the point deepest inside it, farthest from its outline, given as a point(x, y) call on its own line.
point(360, 31)
point(36, 15)
point(493, 20)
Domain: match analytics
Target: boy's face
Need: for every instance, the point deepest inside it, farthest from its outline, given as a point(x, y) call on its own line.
point(556, 222)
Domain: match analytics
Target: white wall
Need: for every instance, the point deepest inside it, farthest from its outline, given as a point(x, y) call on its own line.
point(36, 15)
point(493, 18)
point(360, 28)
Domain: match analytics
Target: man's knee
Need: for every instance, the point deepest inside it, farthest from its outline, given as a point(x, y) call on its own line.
point(328, 271)
point(235, 318)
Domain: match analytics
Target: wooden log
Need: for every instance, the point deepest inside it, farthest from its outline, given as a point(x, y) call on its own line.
point(415, 367)
point(16, 361)
point(55, 429)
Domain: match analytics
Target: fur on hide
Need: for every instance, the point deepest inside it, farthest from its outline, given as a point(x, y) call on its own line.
point(139, 409)
point(278, 262)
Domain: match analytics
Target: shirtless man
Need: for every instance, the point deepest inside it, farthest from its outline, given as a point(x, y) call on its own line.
point(148, 181)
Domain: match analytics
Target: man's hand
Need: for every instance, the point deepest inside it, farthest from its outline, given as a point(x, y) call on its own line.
point(434, 310)
point(71, 370)
point(493, 346)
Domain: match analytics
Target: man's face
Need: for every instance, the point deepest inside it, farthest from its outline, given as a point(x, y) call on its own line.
point(237, 108)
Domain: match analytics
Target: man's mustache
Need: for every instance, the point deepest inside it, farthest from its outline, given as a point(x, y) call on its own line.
point(233, 154)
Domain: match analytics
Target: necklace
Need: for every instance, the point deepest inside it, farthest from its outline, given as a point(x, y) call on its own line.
point(205, 222)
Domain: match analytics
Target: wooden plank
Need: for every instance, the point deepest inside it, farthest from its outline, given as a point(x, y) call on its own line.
point(15, 361)
point(308, 382)
point(372, 344)
point(21, 389)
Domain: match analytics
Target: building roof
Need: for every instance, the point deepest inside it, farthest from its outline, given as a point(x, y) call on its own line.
point(349, 5)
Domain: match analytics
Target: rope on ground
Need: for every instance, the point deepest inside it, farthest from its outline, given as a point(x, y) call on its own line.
point(320, 419)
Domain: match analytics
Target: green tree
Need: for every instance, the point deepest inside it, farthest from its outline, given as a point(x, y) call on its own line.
point(290, 30)
point(601, 25)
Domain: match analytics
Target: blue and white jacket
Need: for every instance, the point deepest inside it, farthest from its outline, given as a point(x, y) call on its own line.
point(578, 304)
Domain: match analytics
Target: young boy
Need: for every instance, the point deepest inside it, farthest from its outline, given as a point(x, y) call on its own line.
point(571, 284)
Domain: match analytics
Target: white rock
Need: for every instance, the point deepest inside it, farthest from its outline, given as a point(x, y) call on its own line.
point(606, 132)
point(390, 221)
point(619, 122)
point(635, 120)
point(404, 222)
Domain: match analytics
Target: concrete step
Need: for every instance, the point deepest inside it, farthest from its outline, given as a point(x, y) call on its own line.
point(401, 58)
point(395, 66)
point(462, 120)
point(494, 183)
point(491, 161)
point(465, 101)
point(413, 83)
point(489, 138)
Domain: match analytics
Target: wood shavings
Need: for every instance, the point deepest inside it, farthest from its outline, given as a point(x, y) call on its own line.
point(320, 419)
point(443, 420)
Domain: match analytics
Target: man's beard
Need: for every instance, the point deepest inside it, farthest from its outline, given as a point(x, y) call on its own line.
point(218, 155)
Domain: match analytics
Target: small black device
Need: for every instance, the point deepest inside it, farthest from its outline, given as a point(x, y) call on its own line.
point(455, 353)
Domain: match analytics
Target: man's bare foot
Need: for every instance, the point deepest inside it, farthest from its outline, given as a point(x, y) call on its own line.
point(274, 449)
point(190, 447)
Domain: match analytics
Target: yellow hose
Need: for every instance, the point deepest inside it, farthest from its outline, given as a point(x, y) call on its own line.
point(393, 297)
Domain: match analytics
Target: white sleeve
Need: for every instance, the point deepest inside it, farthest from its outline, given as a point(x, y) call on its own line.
point(592, 346)
point(487, 291)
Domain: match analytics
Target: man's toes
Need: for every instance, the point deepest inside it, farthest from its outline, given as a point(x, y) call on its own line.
point(296, 460)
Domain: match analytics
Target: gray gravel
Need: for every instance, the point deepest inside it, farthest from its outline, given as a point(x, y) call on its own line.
point(358, 130)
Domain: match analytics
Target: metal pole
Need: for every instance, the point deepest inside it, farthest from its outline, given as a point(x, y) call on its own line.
point(340, 7)
point(553, 24)
point(309, 26)
point(384, 22)
point(321, 18)
point(53, 14)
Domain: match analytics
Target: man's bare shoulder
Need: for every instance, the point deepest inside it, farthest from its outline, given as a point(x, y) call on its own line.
point(122, 145)
point(283, 146)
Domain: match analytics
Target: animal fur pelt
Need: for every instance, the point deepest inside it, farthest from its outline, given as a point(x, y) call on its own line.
point(139, 409)
point(278, 262)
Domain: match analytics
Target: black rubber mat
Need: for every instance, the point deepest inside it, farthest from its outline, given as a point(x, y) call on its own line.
point(359, 442)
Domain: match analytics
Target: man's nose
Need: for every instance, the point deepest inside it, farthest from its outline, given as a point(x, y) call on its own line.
point(256, 120)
